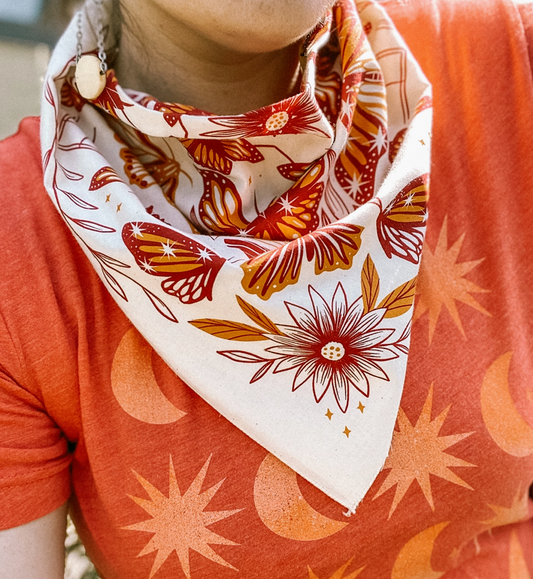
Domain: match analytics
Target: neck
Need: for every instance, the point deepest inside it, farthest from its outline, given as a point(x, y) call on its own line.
point(174, 63)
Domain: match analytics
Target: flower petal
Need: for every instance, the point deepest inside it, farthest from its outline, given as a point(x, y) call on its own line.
point(304, 374)
point(304, 318)
point(371, 320)
point(352, 318)
point(339, 305)
point(321, 380)
point(378, 353)
point(357, 377)
point(371, 339)
point(341, 389)
point(322, 311)
point(371, 368)
point(289, 363)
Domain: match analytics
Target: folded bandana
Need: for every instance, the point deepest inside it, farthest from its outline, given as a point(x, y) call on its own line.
point(270, 258)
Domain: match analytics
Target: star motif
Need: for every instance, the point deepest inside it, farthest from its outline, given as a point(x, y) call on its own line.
point(346, 431)
point(418, 452)
point(136, 230)
point(422, 142)
point(380, 141)
point(168, 248)
point(108, 198)
point(339, 573)
point(518, 511)
point(205, 254)
point(179, 522)
point(118, 207)
point(361, 407)
point(356, 188)
point(329, 414)
point(408, 201)
point(441, 282)
point(147, 266)
point(286, 205)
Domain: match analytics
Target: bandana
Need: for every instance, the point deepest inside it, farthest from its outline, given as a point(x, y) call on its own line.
point(270, 258)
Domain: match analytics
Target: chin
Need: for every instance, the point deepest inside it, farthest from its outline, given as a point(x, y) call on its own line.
point(249, 26)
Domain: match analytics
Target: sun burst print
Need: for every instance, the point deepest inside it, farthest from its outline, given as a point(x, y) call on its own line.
point(418, 451)
point(339, 573)
point(179, 522)
point(517, 511)
point(441, 282)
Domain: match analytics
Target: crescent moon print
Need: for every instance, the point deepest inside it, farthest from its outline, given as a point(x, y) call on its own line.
point(414, 560)
point(282, 508)
point(505, 425)
point(134, 384)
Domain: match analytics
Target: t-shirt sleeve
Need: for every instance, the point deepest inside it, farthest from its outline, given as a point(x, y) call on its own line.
point(34, 457)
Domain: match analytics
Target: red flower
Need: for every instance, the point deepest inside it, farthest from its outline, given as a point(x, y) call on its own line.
point(295, 115)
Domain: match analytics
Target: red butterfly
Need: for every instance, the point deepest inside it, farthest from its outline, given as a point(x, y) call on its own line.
point(219, 155)
point(189, 268)
point(401, 225)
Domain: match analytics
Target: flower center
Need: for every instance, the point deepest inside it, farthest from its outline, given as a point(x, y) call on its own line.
point(333, 351)
point(277, 121)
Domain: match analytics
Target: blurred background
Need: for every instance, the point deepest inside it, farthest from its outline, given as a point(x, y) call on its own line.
point(28, 32)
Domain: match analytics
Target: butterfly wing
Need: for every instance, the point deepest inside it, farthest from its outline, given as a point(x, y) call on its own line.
point(189, 268)
point(401, 225)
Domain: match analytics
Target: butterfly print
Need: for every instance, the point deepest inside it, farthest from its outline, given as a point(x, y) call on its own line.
point(189, 268)
point(332, 247)
point(220, 154)
point(144, 161)
point(401, 225)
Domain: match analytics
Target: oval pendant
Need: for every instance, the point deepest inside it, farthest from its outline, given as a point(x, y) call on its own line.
point(89, 80)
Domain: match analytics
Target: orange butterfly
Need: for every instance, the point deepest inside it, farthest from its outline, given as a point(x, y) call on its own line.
point(189, 268)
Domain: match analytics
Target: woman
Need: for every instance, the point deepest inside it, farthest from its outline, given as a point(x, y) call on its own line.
point(269, 258)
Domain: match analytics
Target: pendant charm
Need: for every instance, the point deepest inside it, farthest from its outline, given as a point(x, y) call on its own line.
point(89, 79)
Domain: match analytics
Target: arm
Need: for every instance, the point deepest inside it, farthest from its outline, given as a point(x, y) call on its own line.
point(35, 550)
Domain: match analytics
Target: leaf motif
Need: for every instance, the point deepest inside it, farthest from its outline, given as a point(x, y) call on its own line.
point(71, 175)
point(79, 202)
point(400, 300)
point(229, 330)
point(262, 371)
point(107, 260)
point(258, 317)
point(114, 285)
point(160, 306)
point(92, 226)
point(369, 284)
point(240, 356)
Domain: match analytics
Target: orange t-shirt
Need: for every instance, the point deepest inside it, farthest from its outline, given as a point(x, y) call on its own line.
point(162, 486)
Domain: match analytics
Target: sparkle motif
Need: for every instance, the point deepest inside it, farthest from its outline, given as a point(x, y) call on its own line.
point(179, 522)
point(418, 451)
point(346, 431)
point(136, 230)
point(361, 407)
point(380, 141)
point(329, 414)
point(167, 248)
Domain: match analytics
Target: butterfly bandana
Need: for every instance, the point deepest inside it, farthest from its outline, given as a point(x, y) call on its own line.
point(270, 258)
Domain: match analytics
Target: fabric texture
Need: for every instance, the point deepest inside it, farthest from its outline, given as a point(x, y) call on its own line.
point(279, 248)
point(195, 497)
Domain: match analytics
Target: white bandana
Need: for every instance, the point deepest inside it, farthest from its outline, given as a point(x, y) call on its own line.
point(269, 258)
